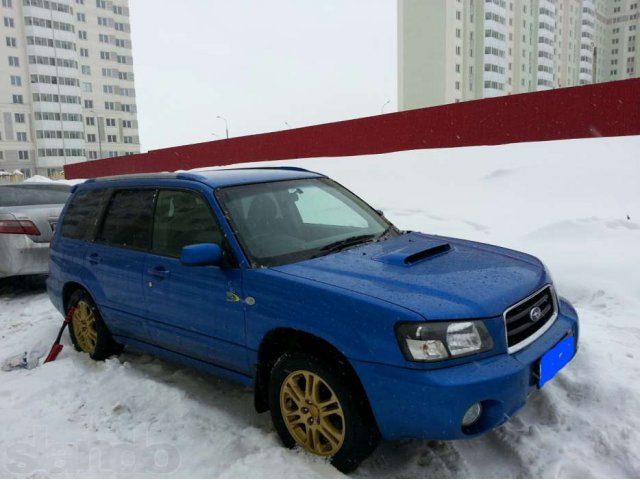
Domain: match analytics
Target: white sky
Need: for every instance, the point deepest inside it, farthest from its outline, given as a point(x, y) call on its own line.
point(259, 63)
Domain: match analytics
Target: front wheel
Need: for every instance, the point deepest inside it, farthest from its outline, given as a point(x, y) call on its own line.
point(88, 331)
point(312, 406)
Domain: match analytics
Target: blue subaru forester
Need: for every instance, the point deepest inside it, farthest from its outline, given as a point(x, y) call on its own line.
point(348, 329)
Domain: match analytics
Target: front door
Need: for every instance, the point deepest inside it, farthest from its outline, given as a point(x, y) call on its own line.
point(194, 311)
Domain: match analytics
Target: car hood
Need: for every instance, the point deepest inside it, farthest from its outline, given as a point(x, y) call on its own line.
point(437, 277)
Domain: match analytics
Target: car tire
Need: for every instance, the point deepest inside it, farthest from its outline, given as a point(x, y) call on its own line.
point(324, 415)
point(88, 331)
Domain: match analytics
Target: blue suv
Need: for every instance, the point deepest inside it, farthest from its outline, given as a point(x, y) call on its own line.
point(348, 329)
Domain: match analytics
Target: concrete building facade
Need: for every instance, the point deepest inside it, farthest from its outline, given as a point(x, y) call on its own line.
point(67, 90)
point(456, 50)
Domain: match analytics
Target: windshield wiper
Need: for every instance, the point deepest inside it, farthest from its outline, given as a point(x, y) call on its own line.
point(347, 242)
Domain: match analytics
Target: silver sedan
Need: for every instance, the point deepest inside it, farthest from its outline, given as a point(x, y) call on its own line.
point(28, 216)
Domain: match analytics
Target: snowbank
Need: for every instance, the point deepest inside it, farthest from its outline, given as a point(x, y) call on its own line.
point(575, 204)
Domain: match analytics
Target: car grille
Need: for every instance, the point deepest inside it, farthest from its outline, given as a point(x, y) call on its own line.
point(522, 324)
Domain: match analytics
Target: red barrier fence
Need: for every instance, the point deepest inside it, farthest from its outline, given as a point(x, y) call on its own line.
point(605, 109)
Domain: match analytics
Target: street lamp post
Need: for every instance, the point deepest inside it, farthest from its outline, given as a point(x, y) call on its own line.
point(226, 125)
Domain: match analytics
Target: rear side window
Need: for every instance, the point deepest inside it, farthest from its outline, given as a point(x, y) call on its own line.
point(128, 219)
point(24, 195)
point(181, 219)
point(83, 214)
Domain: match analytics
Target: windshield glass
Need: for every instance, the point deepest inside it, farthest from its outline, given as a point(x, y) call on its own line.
point(23, 195)
point(283, 222)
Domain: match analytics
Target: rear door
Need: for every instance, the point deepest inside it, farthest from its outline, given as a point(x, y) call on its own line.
point(195, 311)
point(117, 259)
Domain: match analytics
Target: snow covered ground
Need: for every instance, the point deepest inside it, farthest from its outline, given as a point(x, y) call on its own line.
point(575, 204)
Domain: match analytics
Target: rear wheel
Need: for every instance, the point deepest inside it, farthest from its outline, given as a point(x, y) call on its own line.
point(312, 406)
point(88, 332)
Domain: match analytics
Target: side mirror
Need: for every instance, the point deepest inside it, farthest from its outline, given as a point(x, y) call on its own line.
point(201, 254)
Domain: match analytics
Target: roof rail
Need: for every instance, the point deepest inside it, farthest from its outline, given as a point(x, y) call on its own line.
point(133, 176)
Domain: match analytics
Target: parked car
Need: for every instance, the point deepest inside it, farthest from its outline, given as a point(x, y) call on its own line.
point(28, 216)
point(348, 329)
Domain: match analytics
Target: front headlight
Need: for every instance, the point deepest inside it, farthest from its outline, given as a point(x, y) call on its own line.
point(434, 341)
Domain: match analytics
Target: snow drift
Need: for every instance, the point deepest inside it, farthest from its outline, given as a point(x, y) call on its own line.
point(575, 204)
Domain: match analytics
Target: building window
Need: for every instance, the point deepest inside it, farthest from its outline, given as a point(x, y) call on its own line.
point(111, 122)
point(109, 106)
point(88, 104)
point(112, 138)
point(11, 42)
point(84, 52)
point(16, 81)
point(14, 62)
point(18, 99)
point(8, 22)
point(82, 34)
point(90, 120)
point(86, 87)
point(7, 3)
point(21, 136)
point(81, 17)
point(93, 155)
point(127, 124)
point(91, 138)
point(458, 50)
point(23, 154)
point(86, 70)
point(20, 118)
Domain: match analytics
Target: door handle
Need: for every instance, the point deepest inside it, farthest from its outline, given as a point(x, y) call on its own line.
point(159, 272)
point(94, 259)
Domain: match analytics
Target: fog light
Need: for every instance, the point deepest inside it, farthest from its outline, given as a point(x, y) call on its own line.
point(472, 415)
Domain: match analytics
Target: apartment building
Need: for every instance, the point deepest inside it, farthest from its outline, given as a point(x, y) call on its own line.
point(66, 84)
point(456, 50)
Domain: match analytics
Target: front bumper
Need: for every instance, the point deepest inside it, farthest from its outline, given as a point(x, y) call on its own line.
point(19, 255)
point(430, 404)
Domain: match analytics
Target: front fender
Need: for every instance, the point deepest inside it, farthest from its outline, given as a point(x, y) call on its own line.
point(359, 326)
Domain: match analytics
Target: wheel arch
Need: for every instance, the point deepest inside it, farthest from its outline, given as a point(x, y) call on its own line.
point(69, 289)
point(282, 340)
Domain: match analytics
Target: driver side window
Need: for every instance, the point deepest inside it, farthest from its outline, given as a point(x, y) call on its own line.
point(182, 218)
point(319, 207)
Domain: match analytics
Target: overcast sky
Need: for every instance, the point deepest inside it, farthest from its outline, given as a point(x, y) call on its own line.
point(259, 63)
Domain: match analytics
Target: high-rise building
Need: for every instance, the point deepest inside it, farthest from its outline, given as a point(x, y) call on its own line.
point(456, 50)
point(66, 84)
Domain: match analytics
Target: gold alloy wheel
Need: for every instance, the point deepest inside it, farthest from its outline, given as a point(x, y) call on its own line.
point(312, 413)
point(84, 327)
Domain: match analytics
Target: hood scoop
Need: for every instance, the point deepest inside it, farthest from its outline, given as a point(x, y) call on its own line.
point(414, 253)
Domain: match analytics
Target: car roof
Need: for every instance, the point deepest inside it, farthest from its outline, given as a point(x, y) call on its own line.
point(217, 178)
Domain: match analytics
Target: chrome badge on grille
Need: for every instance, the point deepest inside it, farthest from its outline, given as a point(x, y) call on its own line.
point(535, 314)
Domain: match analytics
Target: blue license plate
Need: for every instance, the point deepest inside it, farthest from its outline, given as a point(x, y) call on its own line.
point(555, 359)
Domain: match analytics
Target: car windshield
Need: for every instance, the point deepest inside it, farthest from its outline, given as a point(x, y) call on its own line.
point(24, 195)
point(284, 222)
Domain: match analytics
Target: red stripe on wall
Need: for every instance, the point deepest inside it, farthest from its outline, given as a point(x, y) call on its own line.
point(605, 109)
